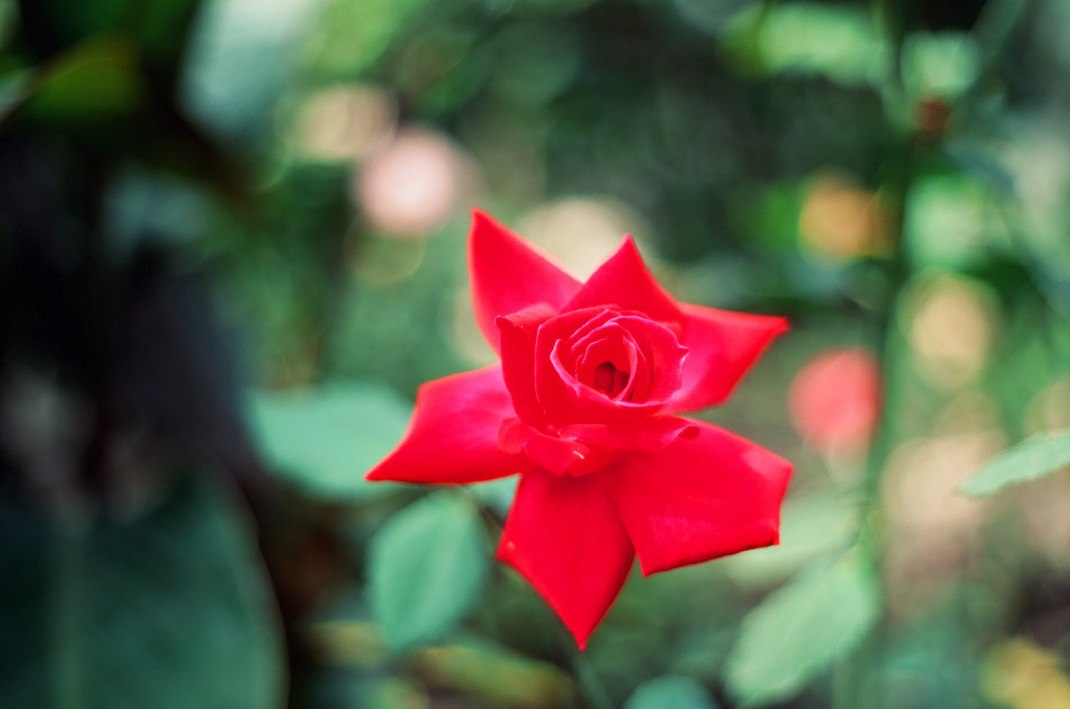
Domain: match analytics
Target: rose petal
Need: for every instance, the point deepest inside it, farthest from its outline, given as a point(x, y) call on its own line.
point(567, 400)
point(564, 537)
point(453, 434)
point(563, 398)
point(623, 281)
point(650, 434)
point(616, 349)
point(558, 455)
point(722, 347)
point(666, 357)
point(509, 274)
point(700, 498)
point(518, 336)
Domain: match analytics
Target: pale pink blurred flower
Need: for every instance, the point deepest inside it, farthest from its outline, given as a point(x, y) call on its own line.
point(411, 186)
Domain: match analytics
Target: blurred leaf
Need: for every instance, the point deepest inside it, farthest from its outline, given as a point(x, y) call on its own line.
point(496, 494)
point(536, 62)
point(489, 675)
point(98, 78)
point(943, 65)
point(159, 27)
point(799, 630)
point(351, 34)
point(972, 159)
point(14, 88)
point(143, 207)
point(240, 59)
point(50, 26)
point(163, 29)
point(9, 20)
point(838, 41)
point(1032, 458)
point(949, 220)
point(327, 439)
point(810, 526)
point(168, 611)
point(670, 693)
point(428, 566)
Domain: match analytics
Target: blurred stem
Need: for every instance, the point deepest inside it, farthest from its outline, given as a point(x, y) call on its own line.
point(68, 557)
point(851, 688)
point(891, 354)
point(594, 691)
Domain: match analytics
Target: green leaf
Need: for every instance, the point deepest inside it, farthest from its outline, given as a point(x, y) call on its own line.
point(671, 692)
point(327, 439)
point(799, 630)
point(1034, 457)
point(97, 79)
point(428, 567)
point(169, 611)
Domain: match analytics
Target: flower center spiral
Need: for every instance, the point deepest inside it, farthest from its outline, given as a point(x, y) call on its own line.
point(609, 380)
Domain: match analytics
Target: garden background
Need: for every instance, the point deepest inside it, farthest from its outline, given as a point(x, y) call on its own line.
point(232, 246)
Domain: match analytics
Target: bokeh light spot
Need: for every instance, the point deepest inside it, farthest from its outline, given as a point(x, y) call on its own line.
point(345, 122)
point(835, 399)
point(412, 185)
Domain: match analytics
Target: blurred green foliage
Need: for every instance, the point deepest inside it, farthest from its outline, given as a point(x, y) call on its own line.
point(232, 247)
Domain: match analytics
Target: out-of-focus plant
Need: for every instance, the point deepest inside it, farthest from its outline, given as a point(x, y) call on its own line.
point(230, 238)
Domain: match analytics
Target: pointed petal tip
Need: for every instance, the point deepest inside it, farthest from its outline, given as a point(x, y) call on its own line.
point(496, 256)
point(505, 553)
point(625, 280)
point(562, 535)
point(628, 247)
point(479, 217)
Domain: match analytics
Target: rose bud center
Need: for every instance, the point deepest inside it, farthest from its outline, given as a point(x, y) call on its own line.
point(609, 380)
point(604, 365)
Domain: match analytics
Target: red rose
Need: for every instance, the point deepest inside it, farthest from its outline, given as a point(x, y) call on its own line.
point(582, 407)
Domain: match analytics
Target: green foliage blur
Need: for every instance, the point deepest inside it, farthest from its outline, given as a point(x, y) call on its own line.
point(232, 246)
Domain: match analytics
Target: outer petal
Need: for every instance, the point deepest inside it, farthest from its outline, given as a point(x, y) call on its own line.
point(723, 345)
point(453, 434)
point(508, 275)
point(518, 337)
point(564, 537)
point(625, 282)
point(702, 497)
